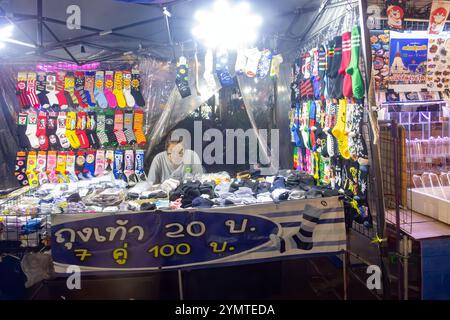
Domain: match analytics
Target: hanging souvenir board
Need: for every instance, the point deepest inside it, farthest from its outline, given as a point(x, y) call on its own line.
point(395, 13)
point(380, 58)
point(438, 16)
point(408, 60)
point(438, 64)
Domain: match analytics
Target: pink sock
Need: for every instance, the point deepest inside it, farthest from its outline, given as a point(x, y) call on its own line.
point(99, 163)
point(109, 87)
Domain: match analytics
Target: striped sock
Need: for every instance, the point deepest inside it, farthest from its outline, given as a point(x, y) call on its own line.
point(69, 88)
point(138, 127)
point(353, 69)
point(101, 134)
point(118, 128)
point(31, 89)
point(128, 127)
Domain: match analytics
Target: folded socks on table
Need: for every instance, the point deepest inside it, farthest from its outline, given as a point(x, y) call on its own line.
point(201, 202)
point(278, 183)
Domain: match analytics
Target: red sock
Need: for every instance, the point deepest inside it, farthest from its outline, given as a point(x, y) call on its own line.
point(21, 90)
point(346, 57)
point(81, 130)
point(31, 90)
point(41, 131)
point(62, 101)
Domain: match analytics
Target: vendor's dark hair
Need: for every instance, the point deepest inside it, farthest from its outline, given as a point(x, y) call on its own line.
point(172, 140)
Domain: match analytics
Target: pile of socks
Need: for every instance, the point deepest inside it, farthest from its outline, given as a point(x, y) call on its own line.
point(84, 89)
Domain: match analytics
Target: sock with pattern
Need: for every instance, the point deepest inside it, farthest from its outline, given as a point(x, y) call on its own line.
point(118, 89)
point(51, 167)
point(128, 127)
point(30, 171)
point(31, 90)
point(69, 90)
point(253, 57)
point(51, 89)
point(339, 129)
point(277, 60)
point(335, 77)
point(89, 165)
point(81, 130)
point(181, 79)
point(89, 79)
point(31, 130)
point(139, 165)
point(60, 94)
point(20, 170)
point(222, 68)
point(109, 128)
point(98, 90)
point(24, 143)
point(51, 129)
point(21, 90)
point(61, 167)
point(118, 128)
point(345, 61)
point(99, 163)
point(353, 68)
point(109, 160)
point(71, 124)
point(118, 164)
point(41, 130)
point(101, 129)
point(41, 165)
point(80, 161)
point(109, 88)
point(127, 89)
point(138, 127)
point(70, 166)
point(91, 127)
point(40, 90)
point(136, 88)
point(129, 175)
point(61, 130)
point(79, 89)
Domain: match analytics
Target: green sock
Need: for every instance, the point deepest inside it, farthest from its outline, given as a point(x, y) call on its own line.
point(353, 68)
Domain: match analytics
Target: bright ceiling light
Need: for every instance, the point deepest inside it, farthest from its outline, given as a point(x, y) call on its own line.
point(6, 32)
point(227, 25)
point(2, 45)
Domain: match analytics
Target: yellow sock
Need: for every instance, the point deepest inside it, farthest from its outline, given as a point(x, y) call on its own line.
point(71, 135)
point(61, 167)
point(339, 129)
point(118, 89)
point(31, 169)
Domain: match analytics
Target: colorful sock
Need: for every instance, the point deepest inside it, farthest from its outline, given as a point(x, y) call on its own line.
point(118, 164)
point(21, 90)
point(136, 88)
point(22, 120)
point(118, 89)
point(353, 69)
point(101, 129)
point(41, 165)
point(51, 167)
point(20, 170)
point(339, 129)
point(31, 90)
point(109, 128)
point(61, 168)
point(31, 130)
point(253, 57)
point(139, 165)
point(40, 90)
point(80, 161)
point(335, 77)
point(312, 123)
point(91, 128)
point(60, 94)
point(127, 89)
point(98, 90)
point(109, 163)
point(109, 88)
point(129, 175)
point(128, 127)
point(118, 128)
point(345, 61)
point(70, 166)
point(263, 68)
point(81, 130)
point(30, 171)
point(222, 68)
point(51, 129)
point(138, 127)
point(89, 79)
point(41, 130)
point(89, 166)
point(71, 123)
point(277, 60)
point(69, 89)
point(99, 163)
point(363, 181)
point(181, 80)
point(79, 89)
point(51, 89)
point(349, 131)
point(61, 130)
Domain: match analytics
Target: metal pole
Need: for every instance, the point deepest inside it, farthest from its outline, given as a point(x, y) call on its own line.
point(405, 253)
point(344, 272)
point(39, 23)
point(165, 13)
point(180, 285)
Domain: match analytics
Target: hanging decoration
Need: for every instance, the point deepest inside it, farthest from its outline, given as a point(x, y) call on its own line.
point(438, 16)
point(438, 65)
point(395, 13)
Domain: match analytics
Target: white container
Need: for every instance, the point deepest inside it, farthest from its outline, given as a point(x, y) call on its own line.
point(431, 202)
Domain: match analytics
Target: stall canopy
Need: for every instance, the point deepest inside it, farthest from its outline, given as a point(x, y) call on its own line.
point(136, 32)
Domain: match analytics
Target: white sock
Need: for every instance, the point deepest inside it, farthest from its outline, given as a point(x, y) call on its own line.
point(127, 90)
point(50, 87)
point(61, 130)
point(253, 57)
point(31, 130)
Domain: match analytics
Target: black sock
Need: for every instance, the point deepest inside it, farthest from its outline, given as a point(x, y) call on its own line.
point(40, 86)
point(24, 142)
point(51, 130)
point(19, 172)
point(337, 80)
point(91, 130)
point(80, 160)
point(136, 88)
point(182, 80)
point(69, 100)
point(109, 128)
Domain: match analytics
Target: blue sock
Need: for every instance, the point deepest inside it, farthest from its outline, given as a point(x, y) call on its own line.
point(89, 165)
point(118, 164)
point(264, 64)
point(222, 69)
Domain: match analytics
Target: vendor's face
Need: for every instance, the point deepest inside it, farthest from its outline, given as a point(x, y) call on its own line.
point(175, 152)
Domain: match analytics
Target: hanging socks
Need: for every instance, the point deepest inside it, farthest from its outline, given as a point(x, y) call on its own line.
point(31, 90)
point(41, 131)
point(21, 91)
point(70, 166)
point(61, 168)
point(80, 161)
point(89, 79)
point(138, 127)
point(109, 128)
point(51, 167)
point(109, 85)
point(30, 171)
point(118, 164)
point(136, 88)
point(345, 61)
point(118, 128)
point(222, 68)
point(91, 130)
point(353, 69)
point(139, 165)
point(182, 78)
point(51, 89)
point(101, 133)
point(128, 128)
point(263, 68)
point(127, 89)
point(60, 94)
point(24, 143)
point(61, 130)
point(109, 163)
point(99, 163)
point(129, 175)
point(41, 167)
point(89, 166)
point(69, 89)
point(81, 130)
point(118, 89)
point(253, 57)
point(277, 60)
point(51, 129)
point(339, 129)
point(98, 90)
point(40, 90)
point(20, 170)
point(79, 89)
point(71, 135)
point(32, 129)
